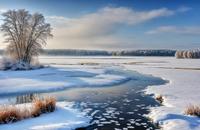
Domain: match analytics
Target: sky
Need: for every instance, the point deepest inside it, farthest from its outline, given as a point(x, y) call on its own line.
point(116, 24)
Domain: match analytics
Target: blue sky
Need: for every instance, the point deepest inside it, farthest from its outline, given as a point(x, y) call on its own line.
point(117, 24)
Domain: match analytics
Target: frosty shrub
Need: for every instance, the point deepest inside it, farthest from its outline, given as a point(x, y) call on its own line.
point(191, 54)
point(7, 63)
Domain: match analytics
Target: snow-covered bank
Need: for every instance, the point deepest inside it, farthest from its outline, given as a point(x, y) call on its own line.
point(56, 78)
point(182, 90)
point(63, 118)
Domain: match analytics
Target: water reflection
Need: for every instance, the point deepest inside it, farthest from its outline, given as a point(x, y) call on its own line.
point(26, 98)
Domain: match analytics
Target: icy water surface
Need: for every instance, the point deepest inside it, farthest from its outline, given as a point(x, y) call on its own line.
point(119, 107)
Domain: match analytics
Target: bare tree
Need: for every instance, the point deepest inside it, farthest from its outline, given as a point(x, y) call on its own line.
point(26, 34)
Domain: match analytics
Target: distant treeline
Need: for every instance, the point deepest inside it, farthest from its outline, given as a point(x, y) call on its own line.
point(71, 52)
point(74, 52)
point(145, 53)
point(191, 54)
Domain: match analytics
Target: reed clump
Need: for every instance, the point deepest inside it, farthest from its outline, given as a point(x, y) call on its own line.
point(13, 113)
point(193, 110)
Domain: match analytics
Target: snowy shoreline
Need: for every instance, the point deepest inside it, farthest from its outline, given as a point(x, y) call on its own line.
point(181, 91)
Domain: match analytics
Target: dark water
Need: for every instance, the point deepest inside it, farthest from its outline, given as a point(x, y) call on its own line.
point(119, 107)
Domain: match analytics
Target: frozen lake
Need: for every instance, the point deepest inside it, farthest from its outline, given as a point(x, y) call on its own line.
point(112, 92)
point(117, 106)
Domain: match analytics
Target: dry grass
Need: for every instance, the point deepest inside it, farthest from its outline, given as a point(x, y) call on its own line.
point(43, 106)
point(193, 110)
point(9, 114)
point(160, 98)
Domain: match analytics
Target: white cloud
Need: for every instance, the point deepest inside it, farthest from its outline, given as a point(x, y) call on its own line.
point(105, 21)
point(2, 44)
point(2, 10)
point(100, 28)
point(183, 9)
point(178, 30)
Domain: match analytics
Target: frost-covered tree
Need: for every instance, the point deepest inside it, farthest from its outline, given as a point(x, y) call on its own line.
point(25, 33)
point(178, 54)
point(188, 54)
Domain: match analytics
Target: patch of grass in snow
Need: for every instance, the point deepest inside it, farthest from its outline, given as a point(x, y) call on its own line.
point(13, 113)
point(160, 98)
point(193, 110)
